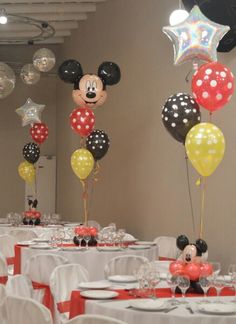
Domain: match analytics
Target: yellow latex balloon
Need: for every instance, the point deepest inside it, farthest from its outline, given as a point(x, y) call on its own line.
point(26, 171)
point(205, 147)
point(82, 163)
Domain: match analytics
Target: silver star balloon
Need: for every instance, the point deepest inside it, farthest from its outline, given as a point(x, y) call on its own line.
point(30, 112)
point(196, 37)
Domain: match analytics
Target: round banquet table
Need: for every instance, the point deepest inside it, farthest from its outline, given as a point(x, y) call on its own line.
point(180, 315)
point(92, 259)
point(38, 230)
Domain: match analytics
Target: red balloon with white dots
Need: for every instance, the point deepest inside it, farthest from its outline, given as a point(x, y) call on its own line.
point(39, 132)
point(213, 86)
point(82, 121)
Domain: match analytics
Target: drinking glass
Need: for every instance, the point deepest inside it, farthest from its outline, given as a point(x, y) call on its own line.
point(183, 284)
point(87, 238)
point(153, 279)
point(218, 283)
point(232, 269)
point(205, 283)
point(172, 283)
point(216, 268)
point(121, 235)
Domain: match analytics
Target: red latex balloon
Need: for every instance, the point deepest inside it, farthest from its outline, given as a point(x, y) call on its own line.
point(39, 132)
point(192, 270)
point(206, 269)
point(213, 85)
point(177, 268)
point(82, 121)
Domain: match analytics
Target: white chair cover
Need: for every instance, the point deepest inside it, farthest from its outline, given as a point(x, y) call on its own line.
point(39, 269)
point(19, 285)
point(23, 234)
point(162, 266)
point(3, 311)
point(25, 310)
point(3, 266)
point(63, 280)
point(124, 265)
point(167, 247)
point(94, 319)
point(7, 244)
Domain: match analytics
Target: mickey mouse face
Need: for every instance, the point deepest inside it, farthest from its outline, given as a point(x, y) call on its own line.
point(89, 89)
point(90, 92)
point(189, 253)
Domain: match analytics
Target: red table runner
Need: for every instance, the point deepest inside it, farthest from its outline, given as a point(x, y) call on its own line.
point(77, 303)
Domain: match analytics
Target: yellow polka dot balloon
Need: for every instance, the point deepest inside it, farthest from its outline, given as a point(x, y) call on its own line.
point(26, 171)
point(82, 163)
point(205, 147)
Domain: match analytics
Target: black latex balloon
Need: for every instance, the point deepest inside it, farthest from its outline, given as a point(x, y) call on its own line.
point(70, 71)
point(179, 114)
point(97, 143)
point(31, 152)
point(109, 72)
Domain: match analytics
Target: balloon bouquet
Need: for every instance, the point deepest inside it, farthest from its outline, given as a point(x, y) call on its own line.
point(196, 39)
point(89, 93)
point(30, 113)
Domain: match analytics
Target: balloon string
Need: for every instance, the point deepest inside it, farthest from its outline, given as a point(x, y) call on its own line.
point(94, 180)
point(36, 182)
point(190, 194)
point(210, 117)
point(82, 142)
point(85, 200)
point(203, 194)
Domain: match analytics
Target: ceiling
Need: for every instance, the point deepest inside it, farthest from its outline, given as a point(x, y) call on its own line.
point(62, 15)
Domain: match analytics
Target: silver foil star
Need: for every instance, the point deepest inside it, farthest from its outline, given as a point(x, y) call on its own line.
point(196, 37)
point(30, 112)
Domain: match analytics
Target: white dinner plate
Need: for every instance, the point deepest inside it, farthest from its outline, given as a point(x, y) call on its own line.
point(72, 248)
point(150, 304)
point(99, 294)
point(42, 247)
point(122, 278)
point(71, 224)
point(139, 247)
point(108, 248)
point(94, 285)
point(26, 243)
point(217, 308)
point(41, 240)
point(145, 243)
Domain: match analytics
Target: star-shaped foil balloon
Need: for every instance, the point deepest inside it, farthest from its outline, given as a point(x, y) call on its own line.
point(30, 112)
point(196, 37)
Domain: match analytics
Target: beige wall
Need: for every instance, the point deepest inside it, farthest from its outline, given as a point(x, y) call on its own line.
point(13, 136)
point(142, 183)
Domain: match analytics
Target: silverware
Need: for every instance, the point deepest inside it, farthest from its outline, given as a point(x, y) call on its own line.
point(189, 308)
point(170, 309)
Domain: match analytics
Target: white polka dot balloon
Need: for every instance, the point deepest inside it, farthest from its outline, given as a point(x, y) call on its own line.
point(213, 85)
point(98, 144)
point(179, 114)
point(31, 152)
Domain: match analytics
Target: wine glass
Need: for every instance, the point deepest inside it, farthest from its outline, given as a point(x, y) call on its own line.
point(232, 269)
point(216, 267)
point(183, 284)
point(205, 283)
point(218, 283)
point(87, 238)
point(172, 282)
point(153, 279)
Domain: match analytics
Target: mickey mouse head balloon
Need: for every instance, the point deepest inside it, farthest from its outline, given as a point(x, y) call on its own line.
point(89, 89)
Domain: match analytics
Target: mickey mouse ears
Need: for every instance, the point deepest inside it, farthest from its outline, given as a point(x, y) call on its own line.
point(109, 72)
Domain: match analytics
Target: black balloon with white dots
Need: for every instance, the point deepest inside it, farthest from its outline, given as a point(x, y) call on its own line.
point(98, 144)
point(31, 152)
point(179, 114)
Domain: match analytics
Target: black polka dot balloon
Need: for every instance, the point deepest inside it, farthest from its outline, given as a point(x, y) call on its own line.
point(31, 152)
point(179, 114)
point(97, 143)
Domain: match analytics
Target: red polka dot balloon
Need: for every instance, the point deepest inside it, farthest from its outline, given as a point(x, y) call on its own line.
point(213, 85)
point(82, 121)
point(39, 132)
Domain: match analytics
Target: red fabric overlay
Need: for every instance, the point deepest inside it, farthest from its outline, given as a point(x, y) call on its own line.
point(63, 307)
point(77, 304)
point(10, 260)
point(3, 280)
point(48, 300)
point(17, 264)
point(166, 259)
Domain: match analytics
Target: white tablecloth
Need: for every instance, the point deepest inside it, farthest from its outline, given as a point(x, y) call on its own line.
point(39, 230)
point(92, 259)
point(180, 315)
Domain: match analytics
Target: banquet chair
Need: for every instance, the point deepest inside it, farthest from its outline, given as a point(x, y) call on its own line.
point(21, 310)
point(7, 244)
point(124, 265)
point(23, 234)
point(167, 247)
point(19, 285)
point(63, 280)
point(94, 319)
point(39, 268)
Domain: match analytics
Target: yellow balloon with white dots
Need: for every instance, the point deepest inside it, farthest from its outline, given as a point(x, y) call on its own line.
point(205, 147)
point(26, 171)
point(82, 163)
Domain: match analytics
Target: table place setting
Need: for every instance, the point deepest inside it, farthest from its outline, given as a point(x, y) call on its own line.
point(99, 294)
point(139, 246)
point(145, 243)
point(122, 278)
point(101, 284)
point(160, 305)
point(109, 248)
